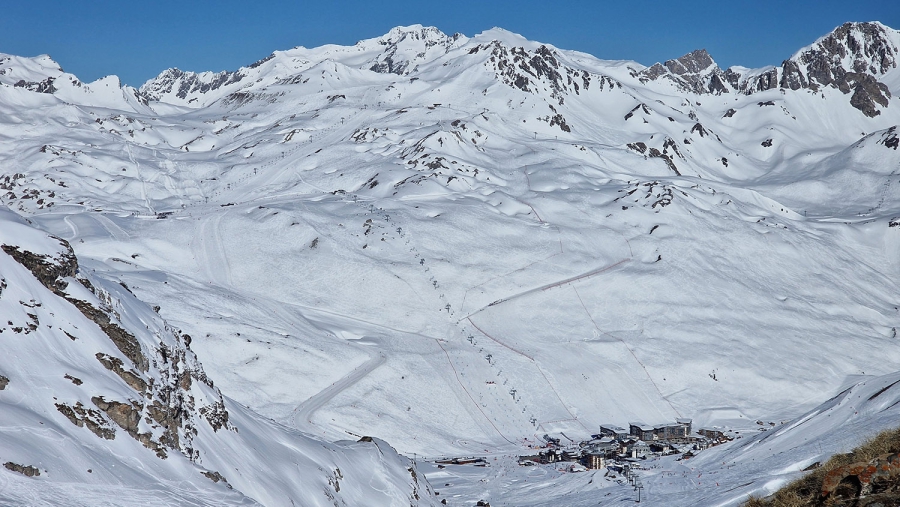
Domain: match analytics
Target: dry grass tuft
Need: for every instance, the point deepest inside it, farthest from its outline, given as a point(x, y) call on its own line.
point(805, 491)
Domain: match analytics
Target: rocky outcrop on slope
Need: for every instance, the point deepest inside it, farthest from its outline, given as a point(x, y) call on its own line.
point(161, 378)
point(533, 71)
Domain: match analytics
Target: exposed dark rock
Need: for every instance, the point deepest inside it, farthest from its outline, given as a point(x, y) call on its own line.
point(716, 86)
point(865, 45)
point(260, 62)
point(654, 72)
point(49, 271)
point(890, 139)
point(867, 92)
point(639, 106)
point(216, 477)
point(184, 83)
point(869, 49)
point(638, 147)
point(792, 77)
point(3, 382)
point(45, 86)
point(114, 364)
point(767, 143)
point(26, 470)
point(389, 62)
point(128, 416)
point(82, 417)
point(695, 71)
point(729, 113)
point(558, 119)
point(123, 340)
point(533, 71)
point(765, 81)
point(216, 415)
point(666, 158)
point(691, 63)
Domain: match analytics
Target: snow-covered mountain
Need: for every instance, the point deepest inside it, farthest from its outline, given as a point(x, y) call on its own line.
point(459, 243)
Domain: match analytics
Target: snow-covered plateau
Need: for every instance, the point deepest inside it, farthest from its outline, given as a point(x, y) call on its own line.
point(250, 287)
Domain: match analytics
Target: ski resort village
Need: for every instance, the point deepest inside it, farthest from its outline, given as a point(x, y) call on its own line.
point(434, 269)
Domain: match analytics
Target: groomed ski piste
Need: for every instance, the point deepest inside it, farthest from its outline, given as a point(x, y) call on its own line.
point(458, 245)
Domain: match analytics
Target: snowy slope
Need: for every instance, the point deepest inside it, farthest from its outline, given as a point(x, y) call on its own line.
point(110, 405)
point(458, 243)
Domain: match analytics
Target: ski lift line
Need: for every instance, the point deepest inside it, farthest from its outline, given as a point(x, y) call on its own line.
point(517, 351)
point(470, 394)
point(536, 365)
point(643, 367)
point(559, 421)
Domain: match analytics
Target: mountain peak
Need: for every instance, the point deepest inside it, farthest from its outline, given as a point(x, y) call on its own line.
point(692, 63)
point(414, 32)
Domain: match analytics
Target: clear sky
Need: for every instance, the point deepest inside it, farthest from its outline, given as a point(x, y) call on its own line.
point(136, 40)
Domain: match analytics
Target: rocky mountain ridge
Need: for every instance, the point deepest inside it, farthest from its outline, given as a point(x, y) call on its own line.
point(852, 58)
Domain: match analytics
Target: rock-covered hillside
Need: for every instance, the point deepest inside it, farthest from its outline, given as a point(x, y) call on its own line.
point(458, 244)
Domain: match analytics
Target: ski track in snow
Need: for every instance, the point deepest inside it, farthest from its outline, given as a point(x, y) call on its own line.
point(210, 251)
point(115, 232)
point(307, 409)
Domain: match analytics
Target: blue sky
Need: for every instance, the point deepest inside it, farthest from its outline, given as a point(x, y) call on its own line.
point(137, 40)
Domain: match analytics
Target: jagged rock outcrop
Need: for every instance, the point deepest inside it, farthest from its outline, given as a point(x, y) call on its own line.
point(45, 86)
point(850, 59)
point(696, 72)
point(26, 470)
point(530, 71)
point(180, 83)
point(162, 387)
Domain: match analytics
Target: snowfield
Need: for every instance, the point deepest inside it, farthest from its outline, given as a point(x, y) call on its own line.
point(456, 245)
